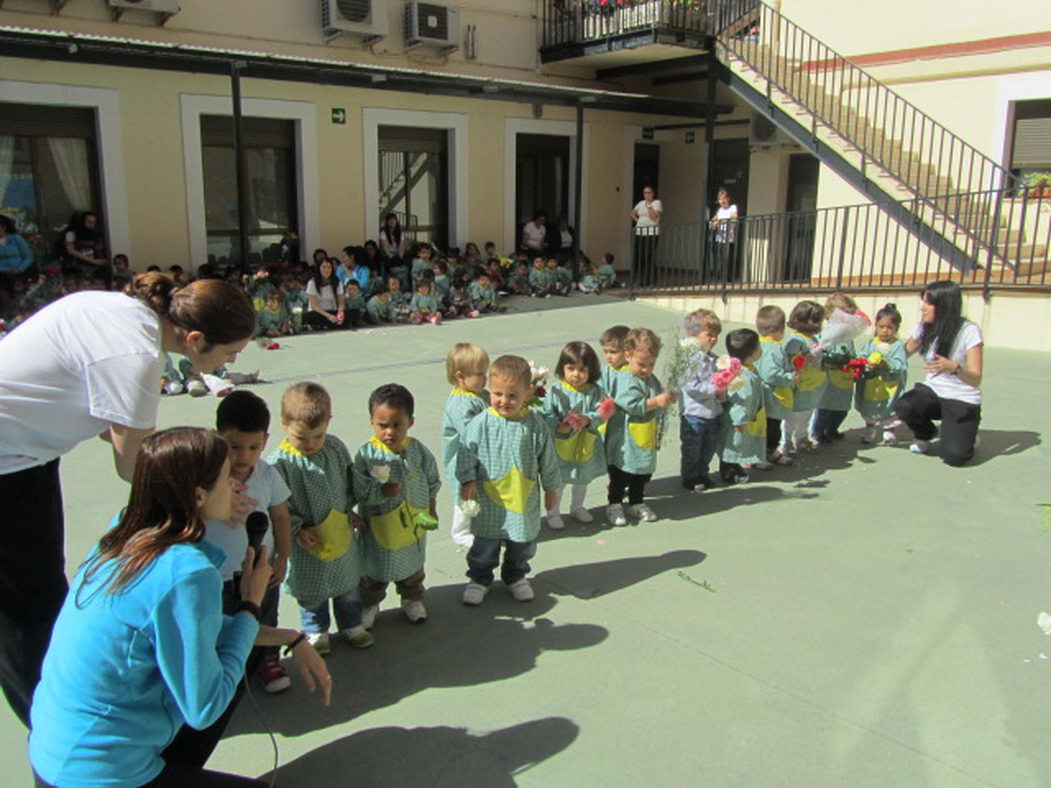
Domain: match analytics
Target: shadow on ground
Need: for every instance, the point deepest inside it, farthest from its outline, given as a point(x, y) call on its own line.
point(588, 581)
point(412, 757)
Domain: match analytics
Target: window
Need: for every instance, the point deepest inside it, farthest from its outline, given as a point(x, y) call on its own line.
point(1030, 138)
point(48, 169)
point(270, 169)
point(414, 182)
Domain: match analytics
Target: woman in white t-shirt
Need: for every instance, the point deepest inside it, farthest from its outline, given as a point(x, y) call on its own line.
point(534, 234)
point(326, 299)
point(951, 392)
point(647, 217)
point(724, 223)
point(88, 364)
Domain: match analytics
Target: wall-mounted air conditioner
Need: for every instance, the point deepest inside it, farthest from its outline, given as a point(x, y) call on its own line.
point(431, 25)
point(366, 18)
point(166, 8)
point(764, 133)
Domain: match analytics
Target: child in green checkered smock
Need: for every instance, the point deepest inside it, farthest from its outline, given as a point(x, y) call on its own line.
point(805, 321)
point(465, 369)
point(612, 344)
point(777, 378)
point(395, 482)
point(326, 562)
point(839, 391)
point(579, 447)
point(506, 453)
point(877, 393)
point(631, 436)
point(744, 442)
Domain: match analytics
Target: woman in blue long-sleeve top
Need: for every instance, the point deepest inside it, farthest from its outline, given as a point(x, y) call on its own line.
point(141, 648)
point(15, 254)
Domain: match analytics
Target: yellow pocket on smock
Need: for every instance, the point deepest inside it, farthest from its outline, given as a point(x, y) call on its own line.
point(578, 447)
point(334, 537)
point(785, 397)
point(879, 389)
point(757, 426)
point(841, 379)
point(512, 491)
point(396, 529)
point(644, 434)
point(810, 379)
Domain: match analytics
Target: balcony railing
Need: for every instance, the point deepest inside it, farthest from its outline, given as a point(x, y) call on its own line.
point(567, 22)
point(854, 247)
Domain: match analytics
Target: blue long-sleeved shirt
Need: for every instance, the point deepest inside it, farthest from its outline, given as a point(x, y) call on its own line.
point(125, 671)
point(15, 254)
point(697, 397)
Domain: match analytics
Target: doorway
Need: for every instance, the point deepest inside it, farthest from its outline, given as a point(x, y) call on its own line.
point(414, 181)
point(541, 177)
point(647, 169)
point(803, 171)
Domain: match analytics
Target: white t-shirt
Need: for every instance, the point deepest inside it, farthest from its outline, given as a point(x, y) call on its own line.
point(726, 231)
point(566, 239)
point(534, 236)
point(644, 219)
point(267, 487)
point(949, 386)
point(326, 298)
point(84, 362)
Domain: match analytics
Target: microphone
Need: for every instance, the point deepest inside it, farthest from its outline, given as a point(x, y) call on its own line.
point(256, 525)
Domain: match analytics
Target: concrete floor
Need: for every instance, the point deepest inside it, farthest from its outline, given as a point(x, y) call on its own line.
point(867, 617)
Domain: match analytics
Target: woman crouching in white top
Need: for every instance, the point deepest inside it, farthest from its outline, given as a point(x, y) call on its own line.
point(951, 393)
point(88, 364)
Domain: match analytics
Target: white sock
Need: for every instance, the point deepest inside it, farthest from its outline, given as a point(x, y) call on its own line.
point(580, 492)
point(556, 509)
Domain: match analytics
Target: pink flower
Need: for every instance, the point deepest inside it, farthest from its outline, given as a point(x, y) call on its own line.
point(607, 408)
point(574, 421)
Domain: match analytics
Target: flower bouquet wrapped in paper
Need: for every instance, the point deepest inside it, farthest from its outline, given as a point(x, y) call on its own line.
point(728, 375)
point(842, 327)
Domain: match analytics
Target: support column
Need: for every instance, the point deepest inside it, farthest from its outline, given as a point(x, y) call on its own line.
point(709, 160)
point(578, 181)
point(239, 163)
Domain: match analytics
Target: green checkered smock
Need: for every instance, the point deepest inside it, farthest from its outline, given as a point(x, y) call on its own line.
point(775, 371)
point(812, 379)
point(321, 498)
point(510, 459)
point(581, 454)
point(392, 547)
point(631, 436)
point(745, 408)
point(460, 408)
point(875, 396)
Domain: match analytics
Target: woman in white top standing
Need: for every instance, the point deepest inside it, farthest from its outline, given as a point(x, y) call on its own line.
point(647, 217)
point(724, 223)
point(951, 393)
point(88, 364)
point(534, 234)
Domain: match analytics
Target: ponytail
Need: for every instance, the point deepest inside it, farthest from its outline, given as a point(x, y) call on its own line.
point(219, 310)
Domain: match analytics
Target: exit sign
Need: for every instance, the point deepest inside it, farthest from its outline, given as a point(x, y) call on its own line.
point(339, 115)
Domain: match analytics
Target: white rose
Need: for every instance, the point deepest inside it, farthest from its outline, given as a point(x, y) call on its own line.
point(470, 508)
point(380, 473)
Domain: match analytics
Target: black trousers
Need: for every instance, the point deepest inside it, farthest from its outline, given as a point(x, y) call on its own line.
point(633, 483)
point(646, 257)
point(773, 434)
point(32, 578)
point(921, 407)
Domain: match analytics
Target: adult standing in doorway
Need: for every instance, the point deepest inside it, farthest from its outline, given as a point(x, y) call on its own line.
point(951, 393)
point(534, 235)
point(724, 225)
point(647, 217)
point(88, 364)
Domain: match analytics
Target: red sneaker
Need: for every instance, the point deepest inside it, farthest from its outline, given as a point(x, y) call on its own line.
point(274, 677)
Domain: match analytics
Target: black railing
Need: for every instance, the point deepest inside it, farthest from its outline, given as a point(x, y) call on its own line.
point(854, 247)
point(886, 130)
point(580, 21)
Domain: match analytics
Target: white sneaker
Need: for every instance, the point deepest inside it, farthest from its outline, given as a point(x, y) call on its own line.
point(643, 513)
point(474, 593)
point(368, 616)
point(414, 610)
point(319, 640)
point(920, 447)
point(870, 433)
point(582, 516)
point(555, 523)
point(778, 458)
point(889, 438)
point(615, 514)
point(174, 388)
point(196, 388)
point(521, 590)
point(358, 636)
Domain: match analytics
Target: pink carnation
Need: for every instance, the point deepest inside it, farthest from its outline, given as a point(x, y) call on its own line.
point(607, 408)
point(573, 420)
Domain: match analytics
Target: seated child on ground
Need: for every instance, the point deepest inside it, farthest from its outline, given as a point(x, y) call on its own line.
point(400, 301)
point(589, 282)
point(379, 308)
point(483, 294)
point(425, 305)
point(541, 283)
point(354, 307)
point(606, 273)
point(273, 319)
point(518, 283)
point(395, 483)
point(296, 301)
point(559, 284)
point(421, 264)
point(744, 436)
point(460, 302)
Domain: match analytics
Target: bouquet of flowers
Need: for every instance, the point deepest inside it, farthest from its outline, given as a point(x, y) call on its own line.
point(538, 380)
point(607, 408)
point(677, 371)
point(728, 377)
point(842, 327)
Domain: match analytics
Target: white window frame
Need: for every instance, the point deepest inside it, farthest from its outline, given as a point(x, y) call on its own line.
point(303, 115)
point(106, 104)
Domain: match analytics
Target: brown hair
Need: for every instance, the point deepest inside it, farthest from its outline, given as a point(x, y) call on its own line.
point(642, 339)
point(465, 357)
point(614, 336)
point(513, 368)
point(579, 353)
point(219, 310)
point(769, 320)
point(702, 320)
point(840, 300)
point(807, 317)
point(308, 403)
point(162, 508)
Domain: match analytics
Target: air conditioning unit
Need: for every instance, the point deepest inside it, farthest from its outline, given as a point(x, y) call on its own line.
point(165, 7)
point(764, 133)
point(366, 18)
point(433, 25)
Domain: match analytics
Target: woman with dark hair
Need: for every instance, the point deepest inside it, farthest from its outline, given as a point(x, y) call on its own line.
point(86, 364)
point(318, 256)
point(534, 234)
point(395, 245)
point(325, 297)
point(374, 261)
point(141, 650)
point(15, 254)
point(951, 393)
point(84, 247)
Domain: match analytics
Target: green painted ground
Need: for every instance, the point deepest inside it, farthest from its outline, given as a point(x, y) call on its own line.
point(866, 618)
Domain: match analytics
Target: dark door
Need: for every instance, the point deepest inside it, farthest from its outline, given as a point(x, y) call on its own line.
point(647, 170)
point(801, 221)
point(729, 170)
point(541, 177)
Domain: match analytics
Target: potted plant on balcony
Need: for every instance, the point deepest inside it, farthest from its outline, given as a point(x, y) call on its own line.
point(1039, 184)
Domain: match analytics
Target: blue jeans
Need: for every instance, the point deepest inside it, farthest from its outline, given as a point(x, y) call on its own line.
point(698, 440)
point(347, 608)
point(825, 423)
point(484, 557)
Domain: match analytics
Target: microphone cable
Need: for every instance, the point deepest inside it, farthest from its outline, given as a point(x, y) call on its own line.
point(266, 726)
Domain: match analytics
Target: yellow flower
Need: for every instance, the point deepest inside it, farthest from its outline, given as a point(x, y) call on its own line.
point(875, 358)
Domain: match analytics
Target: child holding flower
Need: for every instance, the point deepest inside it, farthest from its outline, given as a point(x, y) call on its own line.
point(805, 321)
point(744, 437)
point(778, 378)
point(839, 391)
point(876, 395)
point(466, 366)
